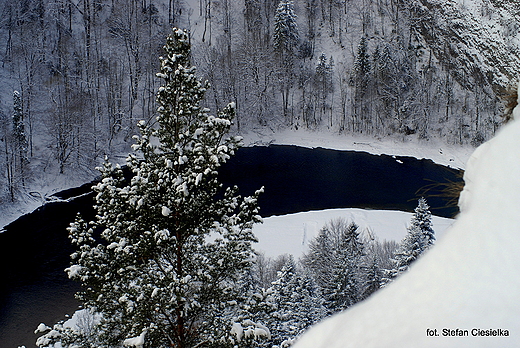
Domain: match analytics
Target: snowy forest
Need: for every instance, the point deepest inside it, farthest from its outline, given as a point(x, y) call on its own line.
point(77, 76)
point(282, 297)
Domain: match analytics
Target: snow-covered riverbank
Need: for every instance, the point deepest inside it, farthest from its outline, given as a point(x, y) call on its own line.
point(468, 283)
point(449, 155)
point(454, 156)
point(291, 233)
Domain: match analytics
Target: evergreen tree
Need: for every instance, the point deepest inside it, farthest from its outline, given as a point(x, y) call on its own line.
point(335, 261)
point(319, 261)
point(361, 82)
point(249, 322)
point(419, 238)
point(285, 41)
point(249, 328)
point(385, 76)
point(372, 278)
point(362, 67)
point(20, 138)
point(347, 274)
point(322, 68)
point(422, 221)
point(286, 35)
point(297, 305)
point(324, 83)
point(408, 251)
point(173, 243)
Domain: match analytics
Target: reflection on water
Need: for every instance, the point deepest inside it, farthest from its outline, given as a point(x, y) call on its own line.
point(34, 251)
point(29, 305)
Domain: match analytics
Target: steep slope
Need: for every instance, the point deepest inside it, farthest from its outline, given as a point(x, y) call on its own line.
point(477, 40)
point(469, 281)
point(85, 71)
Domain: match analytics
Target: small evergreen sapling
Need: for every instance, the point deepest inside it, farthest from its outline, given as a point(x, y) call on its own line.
point(173, 242)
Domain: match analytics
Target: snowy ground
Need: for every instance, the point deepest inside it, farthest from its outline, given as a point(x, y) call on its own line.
point(291, 234)
point(454, 156)
point(40, 191)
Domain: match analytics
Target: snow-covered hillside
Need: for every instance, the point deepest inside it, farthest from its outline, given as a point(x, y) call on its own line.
point(462, 293)
point(433, 72)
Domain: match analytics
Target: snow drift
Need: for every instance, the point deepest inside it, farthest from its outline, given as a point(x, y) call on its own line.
point(465, 291)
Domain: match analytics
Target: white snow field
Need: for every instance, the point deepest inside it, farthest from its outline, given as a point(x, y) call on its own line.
point(291, 234)
point(468, 284)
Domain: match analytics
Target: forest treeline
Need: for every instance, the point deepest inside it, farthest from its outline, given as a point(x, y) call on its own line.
point(84, 71)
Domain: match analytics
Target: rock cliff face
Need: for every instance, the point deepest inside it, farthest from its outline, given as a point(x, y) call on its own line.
point(477, 42)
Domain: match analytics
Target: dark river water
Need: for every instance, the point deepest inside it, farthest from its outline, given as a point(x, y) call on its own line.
point(35, 249)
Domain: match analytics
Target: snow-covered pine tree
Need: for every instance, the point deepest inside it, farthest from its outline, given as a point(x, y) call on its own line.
point(408, 251)
point(172, 241)
point(249, 322)
point(321, 67)
point(422, 221)
point(285, 42)
point(319, 259)
point(286, 37)
point(336, 262)
point(298, 305)
point(347, 272)
point(20, 138)
point(419, 238)
point(312, 303)
point(324, 83)
point(362, 67)
point(361, 81)
point(372, 276)
point(384, 73)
